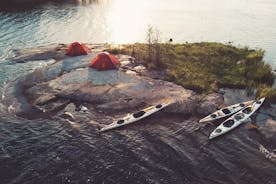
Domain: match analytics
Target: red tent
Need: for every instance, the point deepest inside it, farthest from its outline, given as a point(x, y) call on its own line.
point(77, 49)
point(104, 61)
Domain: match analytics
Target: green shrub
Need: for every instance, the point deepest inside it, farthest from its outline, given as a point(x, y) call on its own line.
point(205, 67)
point(269, 93)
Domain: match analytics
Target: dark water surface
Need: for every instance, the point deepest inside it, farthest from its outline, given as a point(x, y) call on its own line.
point(151, 151)
point(160, 149)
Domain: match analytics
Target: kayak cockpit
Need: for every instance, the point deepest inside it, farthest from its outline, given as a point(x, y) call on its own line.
point(226, 111)
point(242, 105)
point(247, 110)
point(239, 116)
point(213, 115)
point(138, 114)
point(228, 123)
point(121, 121)
point(158, 106)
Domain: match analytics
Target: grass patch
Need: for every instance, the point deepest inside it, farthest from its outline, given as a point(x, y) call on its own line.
point(269, 93)
point(205, 67)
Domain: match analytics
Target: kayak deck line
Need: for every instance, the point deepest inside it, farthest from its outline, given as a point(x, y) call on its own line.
point(136, 116)
point(237, 119)
point(226, 111)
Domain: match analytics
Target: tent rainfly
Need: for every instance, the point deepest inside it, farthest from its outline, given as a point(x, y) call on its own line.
point(77, 49)
point(104, 61)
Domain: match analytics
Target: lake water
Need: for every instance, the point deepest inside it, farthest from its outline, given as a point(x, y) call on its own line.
point(244, 22)
point(160, 149)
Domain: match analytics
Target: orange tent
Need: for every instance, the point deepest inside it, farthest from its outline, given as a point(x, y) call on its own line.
point(77, 49)
point(104, 61)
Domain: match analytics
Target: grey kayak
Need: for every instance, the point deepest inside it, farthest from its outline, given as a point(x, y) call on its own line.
point(236, 119)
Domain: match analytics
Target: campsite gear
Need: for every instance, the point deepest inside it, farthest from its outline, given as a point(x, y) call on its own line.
point(252, 127)
point(236, 119)
point(227, 111)
point(131, 118)
point(77, 49)
point(104, 61)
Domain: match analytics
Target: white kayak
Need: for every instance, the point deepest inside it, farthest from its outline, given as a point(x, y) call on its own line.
point(131, 118)
point(227, 111)
point(236, 119)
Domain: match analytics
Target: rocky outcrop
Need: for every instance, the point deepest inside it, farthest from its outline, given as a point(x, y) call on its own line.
point(54, 51)
point(268, 130)
point(111, 91)
point(210, 103)
point(68, 90)
point(47, 91)
point(185, 106)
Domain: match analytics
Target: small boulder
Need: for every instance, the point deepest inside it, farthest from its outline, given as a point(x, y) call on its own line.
point(269, 129)
point(125, 63)
point(70, 107)
point(139, 68)
point(185, 106)
point(210, 104)
point(81, 108)
point(68, 115)
point(130, 72)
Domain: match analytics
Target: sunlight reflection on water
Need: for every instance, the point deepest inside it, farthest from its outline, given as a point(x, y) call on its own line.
point(125, 21)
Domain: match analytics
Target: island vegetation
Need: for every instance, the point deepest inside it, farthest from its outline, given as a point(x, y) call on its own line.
point(206, 66)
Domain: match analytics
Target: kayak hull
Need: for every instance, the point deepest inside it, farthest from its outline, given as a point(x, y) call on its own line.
point(131, 118)
point(227, 111)
point(236, 119)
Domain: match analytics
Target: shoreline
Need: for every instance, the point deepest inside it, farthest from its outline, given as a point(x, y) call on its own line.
point(45, 94)
point(49, 52)
point(54, 112)
point(30, 102)
point(207, 66)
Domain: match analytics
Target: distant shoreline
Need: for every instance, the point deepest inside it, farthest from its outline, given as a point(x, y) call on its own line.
point(11, 3)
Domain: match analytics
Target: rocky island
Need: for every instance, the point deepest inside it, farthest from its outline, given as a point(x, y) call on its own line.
point(68, 97)
point(67, 83)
